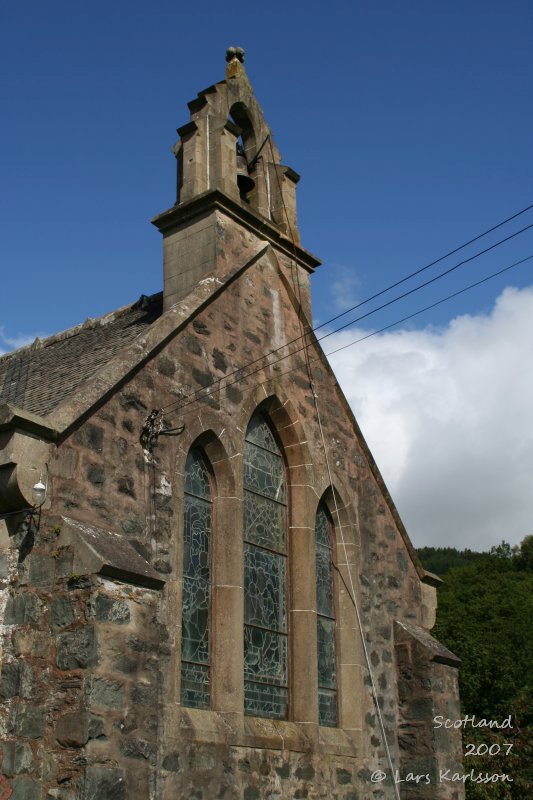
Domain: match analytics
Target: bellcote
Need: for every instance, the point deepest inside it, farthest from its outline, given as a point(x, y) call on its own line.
point(227, 162)
point(228, 146)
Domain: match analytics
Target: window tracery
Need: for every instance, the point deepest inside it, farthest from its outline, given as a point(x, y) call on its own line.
point(325, 606)
point(195, 630)
point(265, 574)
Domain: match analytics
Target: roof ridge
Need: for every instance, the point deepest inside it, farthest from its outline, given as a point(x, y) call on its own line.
point(144, 302)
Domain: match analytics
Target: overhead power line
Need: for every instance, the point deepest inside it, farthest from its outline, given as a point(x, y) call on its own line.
point(432, 305)
point(431, 264)
point(375, 310)
point(421, 285)
point(212, 391)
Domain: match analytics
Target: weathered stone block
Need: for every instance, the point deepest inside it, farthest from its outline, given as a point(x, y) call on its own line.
point(32, 643)
point(285, 770)
point(127, 664)
point(401, 558)
point(49, 765)
point(22, 608)
point(343, 776)
point(27, 721)
point(4, 566)
point(91, 436)
point(201, 327)
point(17, 758)
point(72, 730)
point(61, 612)
point(96, 474)
point(96, 727)
point(125, 486)
point(166, 367)
point(26, 789)
point(59, 794)
point(77, 649)
point(129, 400)
point(203, 378)
point(138, 748)
point(103, 692)
point(42, 570)
point(100, 783)
point(9, 680)
point(132, 526)
point(144, 695)
point(305, 772)
point(171, 762)
point(109, 610)
point(419, 708)
point(192, 344)
point(27, 683)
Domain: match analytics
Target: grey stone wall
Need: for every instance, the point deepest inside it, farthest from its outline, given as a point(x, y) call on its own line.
point(90, 679)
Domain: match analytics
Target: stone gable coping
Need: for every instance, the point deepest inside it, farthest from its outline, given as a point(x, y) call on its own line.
point(100, 386)
point(437, 651)
point(107, 553)
point(18, 420)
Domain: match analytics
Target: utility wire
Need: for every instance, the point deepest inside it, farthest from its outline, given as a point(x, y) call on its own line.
point(422, 285)
point(394, 285)
point(209, 393)
point(431, 264)
point(433, 305)
point(352, 322)
point(407, 277)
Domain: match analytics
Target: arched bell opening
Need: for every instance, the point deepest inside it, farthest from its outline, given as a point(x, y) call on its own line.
point(246, 151)
point(245, 181)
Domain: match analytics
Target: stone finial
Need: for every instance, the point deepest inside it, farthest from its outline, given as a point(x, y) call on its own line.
point(235, 52)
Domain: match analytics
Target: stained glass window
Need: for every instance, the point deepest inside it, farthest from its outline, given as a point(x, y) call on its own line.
point(195, 650)
point(266, 679)
point(325, 606)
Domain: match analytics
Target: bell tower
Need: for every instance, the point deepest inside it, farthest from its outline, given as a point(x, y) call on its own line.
point(229, 176)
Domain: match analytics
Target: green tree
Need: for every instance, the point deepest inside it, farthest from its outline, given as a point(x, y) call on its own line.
point(485, 617)
point(441, 559)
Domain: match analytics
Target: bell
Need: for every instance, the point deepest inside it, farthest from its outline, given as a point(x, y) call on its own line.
point(244, 181)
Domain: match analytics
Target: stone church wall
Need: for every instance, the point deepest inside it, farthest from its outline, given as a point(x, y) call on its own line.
point(92, 669)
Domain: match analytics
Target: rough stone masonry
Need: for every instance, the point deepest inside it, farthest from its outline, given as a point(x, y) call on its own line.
point(92, 583)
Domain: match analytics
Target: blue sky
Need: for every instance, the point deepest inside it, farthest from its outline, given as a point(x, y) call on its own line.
point(409, 122)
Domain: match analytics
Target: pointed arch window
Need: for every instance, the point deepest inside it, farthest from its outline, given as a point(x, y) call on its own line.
point(195, 627)
point(325, 606)
point(265, 573)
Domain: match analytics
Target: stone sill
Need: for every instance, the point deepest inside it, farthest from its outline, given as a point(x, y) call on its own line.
point(239, 730)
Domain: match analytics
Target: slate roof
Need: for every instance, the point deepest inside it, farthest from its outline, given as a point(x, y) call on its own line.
point(38, 377)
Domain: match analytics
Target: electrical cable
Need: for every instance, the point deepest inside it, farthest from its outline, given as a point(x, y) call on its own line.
point(433, 305)
point(208, 394)
point(412, 274)
point(191, 398)
point(390, 302)
point(431, 264)
point(423, 285)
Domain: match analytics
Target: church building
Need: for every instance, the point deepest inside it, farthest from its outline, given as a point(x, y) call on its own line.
point(206, 590)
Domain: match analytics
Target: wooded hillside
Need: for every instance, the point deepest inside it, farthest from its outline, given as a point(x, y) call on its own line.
point(485, 617)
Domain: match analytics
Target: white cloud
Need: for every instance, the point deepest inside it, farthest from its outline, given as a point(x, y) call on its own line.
point(448, 417)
